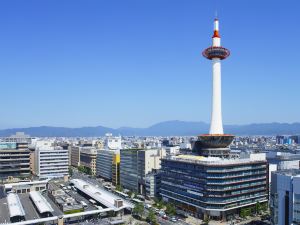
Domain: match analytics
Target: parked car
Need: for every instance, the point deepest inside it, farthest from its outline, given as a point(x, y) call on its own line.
point(173, 219)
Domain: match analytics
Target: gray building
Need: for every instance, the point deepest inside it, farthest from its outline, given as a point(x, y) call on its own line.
point(283, 160)
point(14, 157)
point(136, 164)
point(105, 162)
point(285, 197)
point(153, 181)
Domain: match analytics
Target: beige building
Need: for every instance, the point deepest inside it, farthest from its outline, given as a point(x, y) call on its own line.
point(88, 158)
point(32, 161)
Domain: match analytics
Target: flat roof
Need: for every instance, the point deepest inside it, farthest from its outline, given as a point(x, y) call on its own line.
point(9, 186)
point(288, 172)
point(212, 160)
point(104, 197)
point(40, 202)
point(14, 205)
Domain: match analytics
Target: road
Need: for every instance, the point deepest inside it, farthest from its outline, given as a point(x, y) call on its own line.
point(30, 211)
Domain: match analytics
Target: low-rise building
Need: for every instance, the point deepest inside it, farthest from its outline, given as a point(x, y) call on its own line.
point(26, 187)
point(65, 202)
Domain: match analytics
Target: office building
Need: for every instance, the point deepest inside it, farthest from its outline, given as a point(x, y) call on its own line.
point(283, 160)
point(153, 181)
point(51, 162)
point(136, 164)
point(88, 158)
point(22, 140)
point(75, 156)
point(285, 197)
point(113, 143)
point(108, 165)
point(15, 161)
point(75, 153)
point(213, 187)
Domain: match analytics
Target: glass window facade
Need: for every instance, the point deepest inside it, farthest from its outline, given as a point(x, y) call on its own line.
point(216, 187)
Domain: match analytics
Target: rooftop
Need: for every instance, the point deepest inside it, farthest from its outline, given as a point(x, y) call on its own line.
point(211, 160)
point(106, 198)
point(40, 202)
point(9, 186)
point(290, 172)
point(14, 205)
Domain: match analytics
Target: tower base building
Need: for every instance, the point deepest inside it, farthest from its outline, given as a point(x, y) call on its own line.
point(213, 187)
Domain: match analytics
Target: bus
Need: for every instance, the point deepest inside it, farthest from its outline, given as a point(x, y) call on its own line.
point(93, 201)
point(83, 204)
point(136, 201)
point(140, 197)
point(122, 195)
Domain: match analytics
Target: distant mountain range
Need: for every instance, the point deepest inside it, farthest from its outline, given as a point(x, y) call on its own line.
point(168, 128)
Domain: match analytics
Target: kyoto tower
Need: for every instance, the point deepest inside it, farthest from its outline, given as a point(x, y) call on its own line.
point(216, 142)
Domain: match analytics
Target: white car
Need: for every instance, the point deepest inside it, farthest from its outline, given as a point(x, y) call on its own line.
point(173, 219)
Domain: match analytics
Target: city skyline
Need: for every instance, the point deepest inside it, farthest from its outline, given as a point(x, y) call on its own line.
point(139, 63)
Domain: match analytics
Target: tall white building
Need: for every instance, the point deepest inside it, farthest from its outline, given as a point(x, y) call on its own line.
point(51, 162)
point(113, 143)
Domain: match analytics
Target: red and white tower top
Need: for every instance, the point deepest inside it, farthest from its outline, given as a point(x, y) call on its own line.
point(216, 50)
point(216, 29)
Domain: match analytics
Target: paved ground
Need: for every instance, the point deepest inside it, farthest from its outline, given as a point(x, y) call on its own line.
point(30, 211)
point(4, 213)
point(57, 211)
point(2, 193)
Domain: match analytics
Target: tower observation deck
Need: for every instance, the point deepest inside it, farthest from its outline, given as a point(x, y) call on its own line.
point(216, 142)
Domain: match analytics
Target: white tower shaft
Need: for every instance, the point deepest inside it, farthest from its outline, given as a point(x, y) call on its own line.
point(216, 124)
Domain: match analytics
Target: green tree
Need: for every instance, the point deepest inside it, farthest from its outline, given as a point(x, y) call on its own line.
point(130, 194)
point(206, 221)
point(257, 208)
point(138, 210)
point(70, 171)
point(119, 188)
point(85, 170)
point(151, 217)
point(171, 209)
point(159, 203)
point(264, 207)
point(243, 213)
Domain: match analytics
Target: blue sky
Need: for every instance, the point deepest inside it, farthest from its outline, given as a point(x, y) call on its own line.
point(137, 62)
